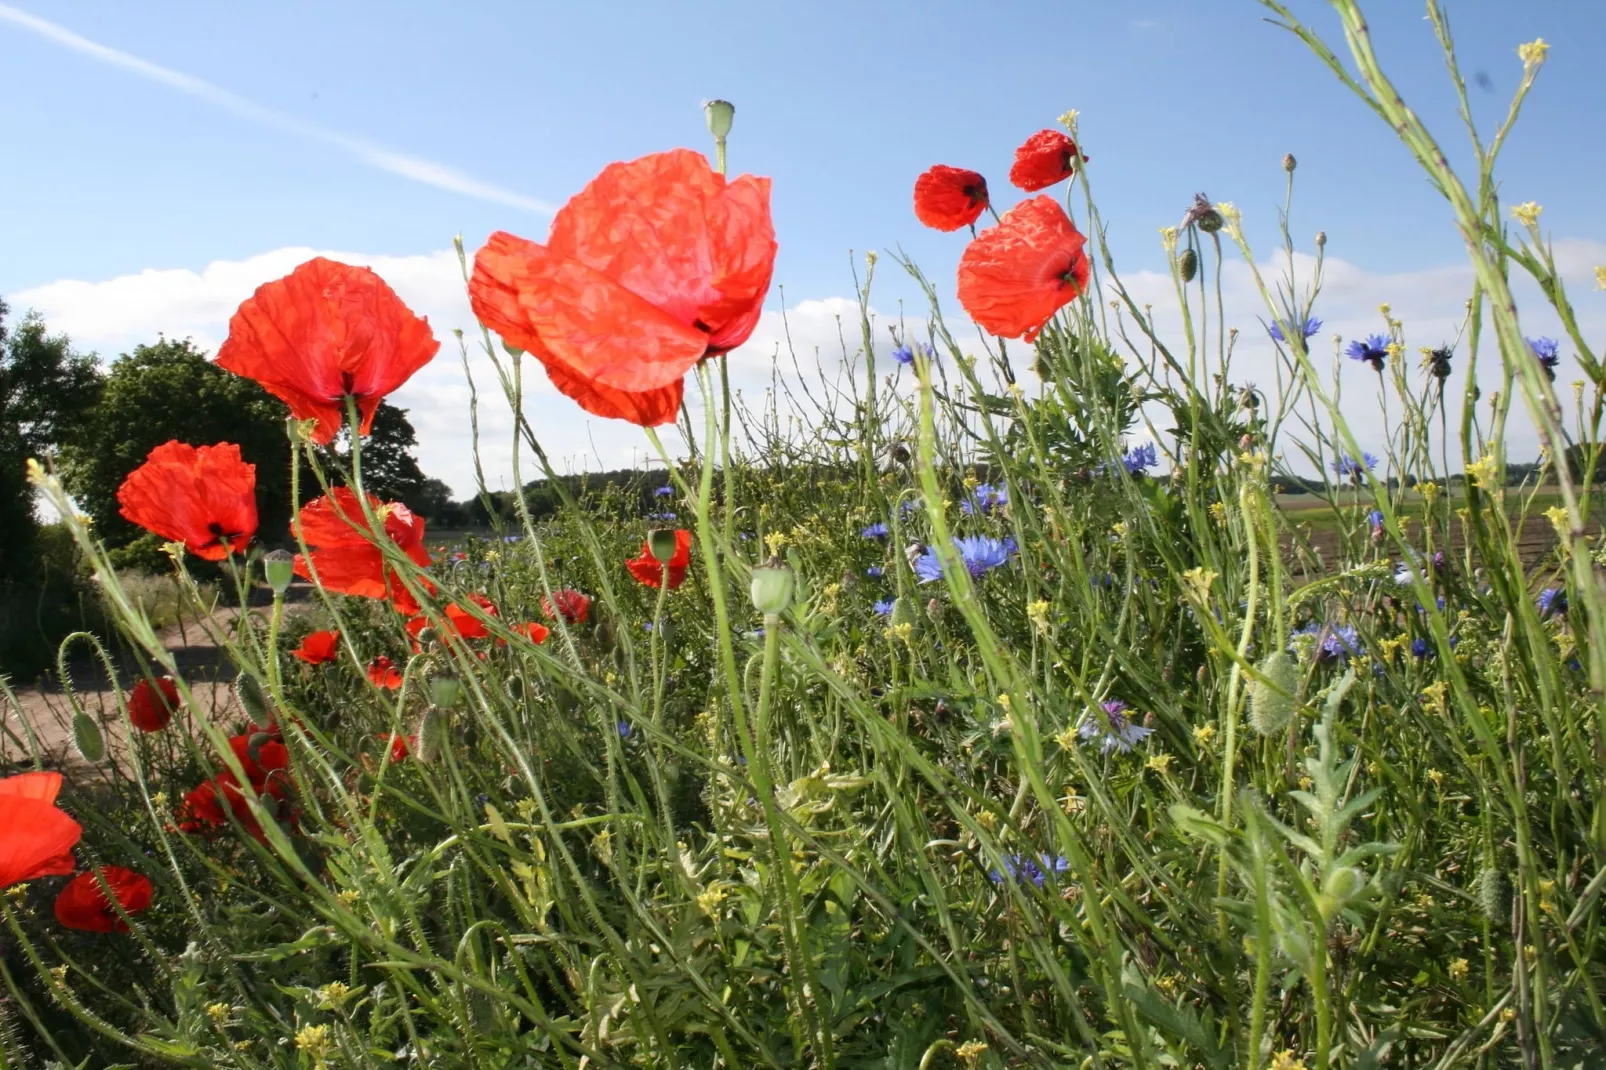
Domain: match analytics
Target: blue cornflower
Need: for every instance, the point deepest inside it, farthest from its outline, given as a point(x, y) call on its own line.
point(1375, 518)
point(665, 516)
point(624, 729)
point(1552, 602)
point(1139, 458)
point(1374, 350)
point(511, 538)
point(883, 608)
point(1421, 648)
point(1349, 466)
point(878, 530)
point(988, 498)
point(1335, 642)
point(1025, 868)
point(980, 554)
point(662, 492)
point(875, 572)
point(1547, 351)
point(1312, 325)
point(903, 355)
point(1114, 729)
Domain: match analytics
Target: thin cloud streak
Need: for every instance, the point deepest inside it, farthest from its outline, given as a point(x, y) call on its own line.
point(413, 168)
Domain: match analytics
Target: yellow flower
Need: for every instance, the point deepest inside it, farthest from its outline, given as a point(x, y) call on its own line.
point(1198, 581)
point(987, 820)
point(59, 973)
point(774, 541)
point(1437, 778)
point(1384, 309)
point(1037, 613)
point(1066, 739)
point(314, 1040)
point(1230, 213)
point(900, 632)
point(1578, 390)
point(1204, 734)
point(1458, 970)
point(1160, 763)
point(333, 994)
point(1527, 213)
point(1287, 1060)
point(1168, 238)
point(1558, 519)
point(708, 902)
point(1435, 692)
point(1394, 349)
point(1003, 700)
point(1600, 277)
point(1068, 120)
point(1532, 54)
point(219, 1012)
point(1218, 512)
point(1482, 472)
point(1118, 529)
point(348, 897)
point(970, 1052)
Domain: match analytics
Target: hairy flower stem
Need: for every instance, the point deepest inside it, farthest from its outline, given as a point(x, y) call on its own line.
point(1247, 505)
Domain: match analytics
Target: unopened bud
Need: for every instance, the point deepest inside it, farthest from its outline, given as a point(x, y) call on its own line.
point(444, 691)
point(431, 736)
point(248, 689)
point(933, 610)
point(1321, 238)
point(1188, 264)
point(279, 566)
point(661, 543)
point(719, 114)
point(772, 586)
point(1271, 700)
point(902, 612)
point(1210, 221)
point(1289, 163)
point(87, 737)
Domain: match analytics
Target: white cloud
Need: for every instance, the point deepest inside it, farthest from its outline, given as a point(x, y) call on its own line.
point(114, 315)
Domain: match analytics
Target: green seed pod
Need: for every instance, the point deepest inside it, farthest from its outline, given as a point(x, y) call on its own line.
point(86, 736)
point(278, 567)
point(1491, 892)
point(252, 699)
point(1344, 883)
point(661, 543)
point(771, 587)
point(1188, 264)
point(1271, 701)
point(719, 114)
point(431, 736)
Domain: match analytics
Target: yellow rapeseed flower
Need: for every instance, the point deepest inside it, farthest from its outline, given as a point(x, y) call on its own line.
point(1287, 1060)
point(1532, 54)
point(1068, 119)
point(1459, 969)
point(1527, 213)
point(1600, 277)
point(1482, 471)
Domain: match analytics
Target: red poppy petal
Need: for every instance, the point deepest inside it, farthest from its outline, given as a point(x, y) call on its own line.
point(38, 841)
point(645, 408)
point(948, 198)
point(42, 786)
point(1013, 276)
point(204, 498)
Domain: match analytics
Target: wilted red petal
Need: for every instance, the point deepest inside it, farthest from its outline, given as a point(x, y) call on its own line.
point(1014, 276)
point(574, 606)
point(150, 708)
point(202, 497)
point(947, 198)
point(1045, 158)
point(325, 332)
point(83, 904)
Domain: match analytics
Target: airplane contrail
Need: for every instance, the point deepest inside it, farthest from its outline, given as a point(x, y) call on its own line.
point(428, 172)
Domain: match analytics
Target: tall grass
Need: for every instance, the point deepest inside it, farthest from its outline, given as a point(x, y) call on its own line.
point(1343, 819)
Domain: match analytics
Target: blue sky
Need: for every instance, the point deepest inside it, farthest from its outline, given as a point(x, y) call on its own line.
point(112, 173)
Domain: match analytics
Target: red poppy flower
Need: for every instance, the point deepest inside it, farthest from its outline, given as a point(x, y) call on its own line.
point(571, 604)
point(262, 757)
point(401, 747)
point(36, 838)
point(1047, 157)
point(346, 562)
point(458, 621)
point(319, 648)
point(202, 497)
point(1013, 277)
point(323, 333)
point(534, 631)
point(150, 708)
point(649, 570)
point(655, 265)
point(204, 806)
point(947, 198)
point(384, 673)
point(83, 903)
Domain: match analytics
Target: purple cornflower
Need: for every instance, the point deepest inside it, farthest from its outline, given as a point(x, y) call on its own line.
point(1312, 325)
point(1547, 351)
point(1375, 518)
point(1552, 602)
point(903, 355)
point(1025, 868)
point(662, 492)
point(980, 554)
point(875, 572)
point(663, 517)
point(878, 530)
point(883, 608)
point(1374, 350)
point(1115, 730)
point(987, 498)
point(1139, 458)
point(1349, 466)
point(1335, 642)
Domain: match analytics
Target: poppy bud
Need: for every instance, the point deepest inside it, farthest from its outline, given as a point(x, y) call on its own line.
point(1491, 896)
point(1289, 163)
point(719, 114)
point(1271, 701)
point(1210, 221)
point(444, 691)
point(772, 586)
point(1188, 264)
point(515, 688)
point(902, 612)
point(249, 691)
point(279, 568)
point(426, 636)
point(661, 541)
point(431, 736)
point(86, 736)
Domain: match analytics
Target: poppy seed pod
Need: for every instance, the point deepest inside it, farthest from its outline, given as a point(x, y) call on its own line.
point(661, 543)
point(772, 586)
point(1188, 264)
point(278, 566)
point(444, 691)
point(719, 114)
point(903, 612)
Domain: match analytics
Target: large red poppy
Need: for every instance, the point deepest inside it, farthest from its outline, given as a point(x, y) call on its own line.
point(649, 570)
point(569, 603)
point(1014, 276)
point(83, 903)
point(323, 333)
point(150, 708)
point(346, 562)
point(202, 497)
point(36, 838)
point(319, 648)
point(947, 198)
point(655, 265)
point(1047, 157)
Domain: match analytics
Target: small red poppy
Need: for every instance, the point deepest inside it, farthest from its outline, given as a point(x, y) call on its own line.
point(202, 497)
point(400, 747)
point(261, 756)
point(1013, 277)
point(344, 559)
point(947, 198)
point(36, 838)
point(83, 903)
point(203, 808)
point(150, 708)
point(319, 648)
point(1047, 157)
point(323, 333)
point(574, 607)
point(384, 673)
point(650, 571)
point(534, 631)
point(655, 265)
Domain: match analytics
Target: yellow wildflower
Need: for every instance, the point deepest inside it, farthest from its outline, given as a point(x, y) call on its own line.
point(1204, 734)
point(333, 994)
point(1160, 763)
point(1218, 512)
point(1600, 277)
point(1068, 120)
point(1003, 700)
point(1527, 213)
point(1558, 519)
point(1437, 778)
point(1532, 54)
point(970, 1052)
point(314, 1040)
point(1287, 1060)
point(219, 1012)
point(1482, 471)
point(1037, 613)
point(1458, 969)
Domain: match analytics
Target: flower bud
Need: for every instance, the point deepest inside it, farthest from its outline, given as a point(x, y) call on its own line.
point(1289, 163)
point(444, 691)
point(248, 689)
point(1321, 238)
point(902, 612)
point(772, 587)
point(515, 687)
point(87, 737)
point(431, 736)
point(1210, 221)
point(719, 114)
point(1271, 701)
point(933, 610)
point(1490, 893)
point(661, 542)
point(279, 566)
point(1188, 264)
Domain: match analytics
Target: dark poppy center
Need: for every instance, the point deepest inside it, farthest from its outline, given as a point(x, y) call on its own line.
point(977, 194)
point(701, 326)
point(347, 383)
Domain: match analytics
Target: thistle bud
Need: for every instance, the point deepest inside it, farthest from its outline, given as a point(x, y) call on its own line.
point(87, 738)
point(1188, 264)
point(1271, 701)
point(431, 736)
point(248, 689)
point(279, 566)
point(719, 114)
point(772, 586)
point(444, 691)
point(661, 542)
point(1289, 163)
point(933, 610)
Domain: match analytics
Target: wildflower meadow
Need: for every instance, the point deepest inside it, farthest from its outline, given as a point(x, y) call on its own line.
point(1004, 717)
